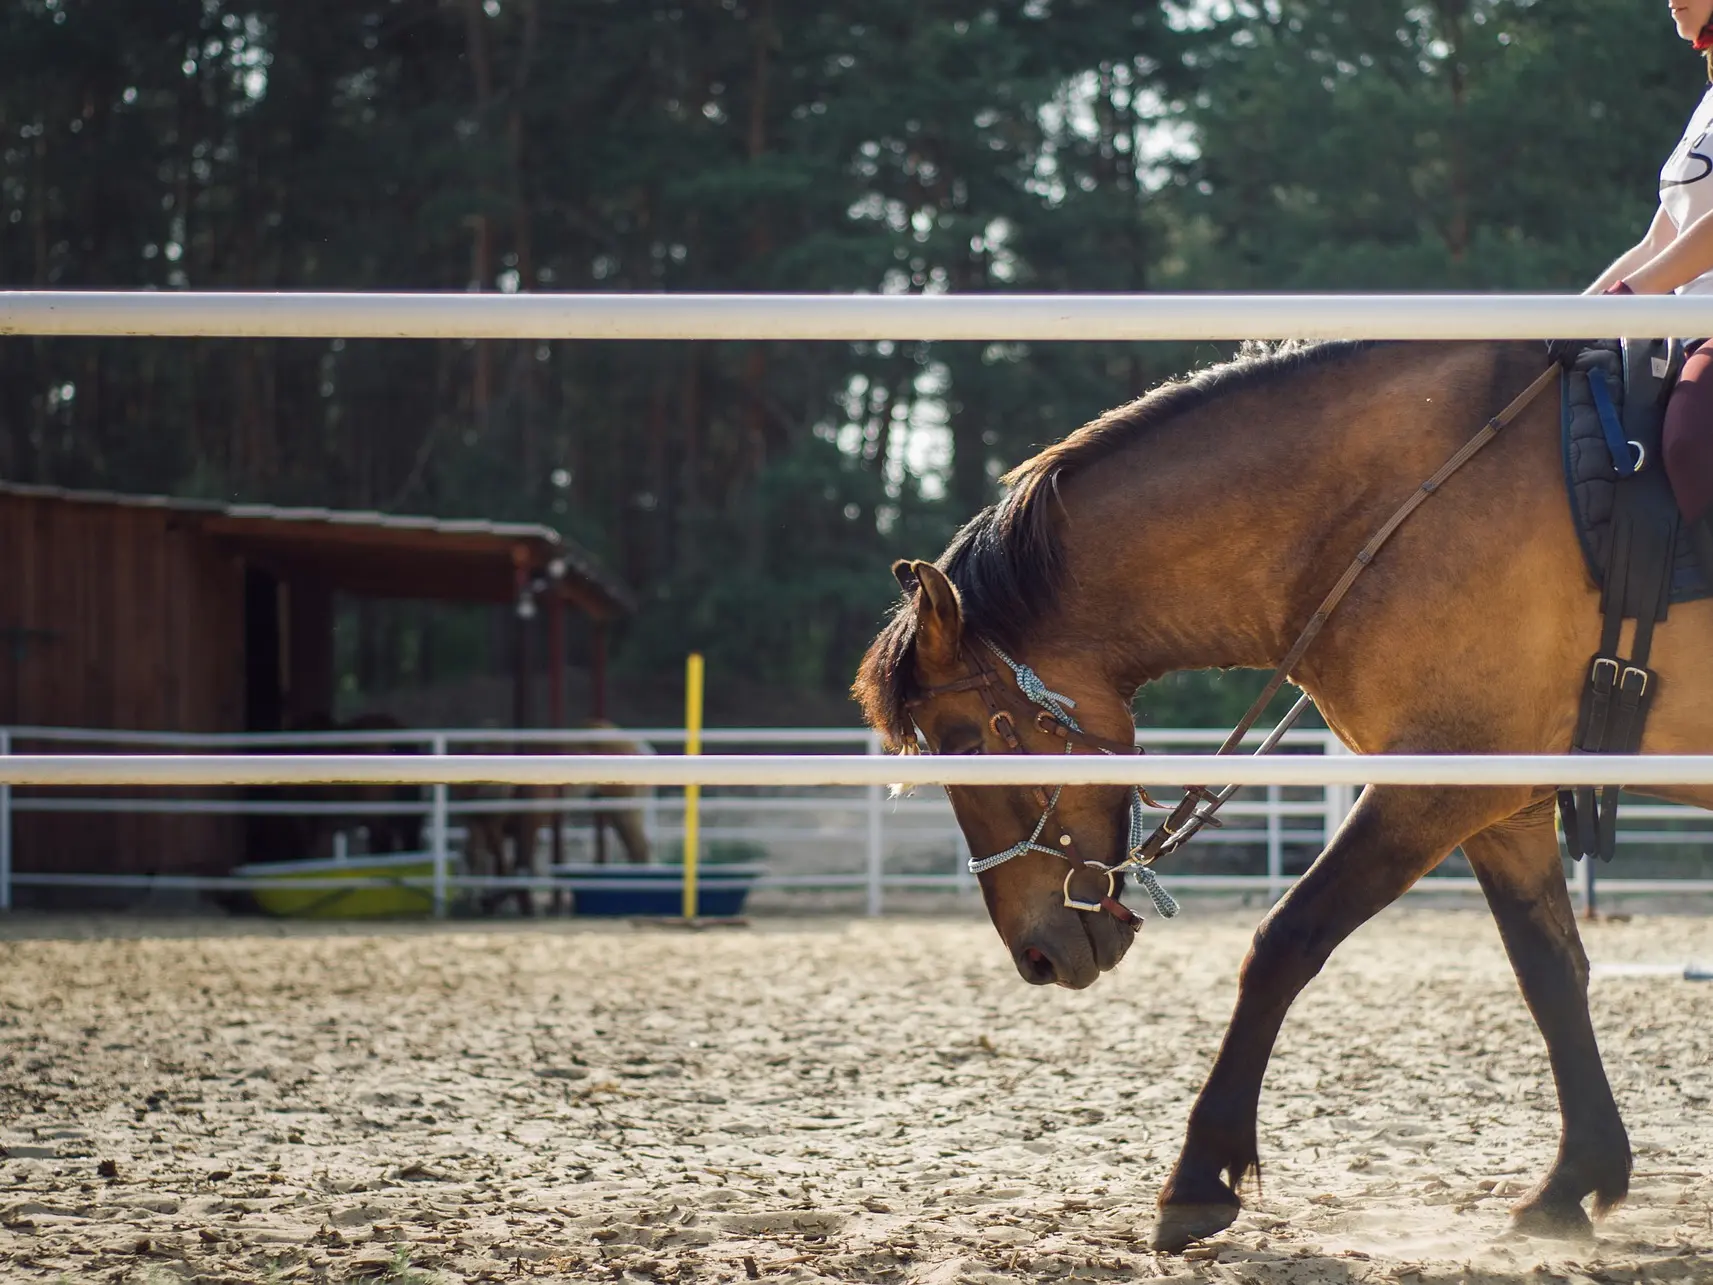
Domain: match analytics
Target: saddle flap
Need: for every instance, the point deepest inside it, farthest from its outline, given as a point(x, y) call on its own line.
point(1650, 371)
point(1594, 483)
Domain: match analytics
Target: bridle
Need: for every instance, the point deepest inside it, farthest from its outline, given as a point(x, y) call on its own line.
point(1054, 717)
point(1198, 808)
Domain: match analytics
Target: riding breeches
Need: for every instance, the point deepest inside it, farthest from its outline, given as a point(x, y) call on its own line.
point(1688, 435)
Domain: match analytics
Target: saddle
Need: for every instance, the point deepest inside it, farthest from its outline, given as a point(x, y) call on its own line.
point(1613, 400)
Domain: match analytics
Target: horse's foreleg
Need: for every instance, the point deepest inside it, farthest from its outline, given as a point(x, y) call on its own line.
point(1519, 868)
point(526, 861)
point(1391, 838)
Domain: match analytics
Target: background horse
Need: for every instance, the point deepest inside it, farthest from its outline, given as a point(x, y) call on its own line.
point(305, 836)
point(1199, 527)
point(509, 843)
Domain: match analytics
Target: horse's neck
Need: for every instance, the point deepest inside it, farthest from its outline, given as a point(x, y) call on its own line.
point(1208, 542)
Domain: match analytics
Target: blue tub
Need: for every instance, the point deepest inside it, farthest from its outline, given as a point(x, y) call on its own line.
point(622, 890)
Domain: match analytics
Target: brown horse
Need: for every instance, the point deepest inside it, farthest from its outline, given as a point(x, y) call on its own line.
point(1199, 527)
point(303, 836)
point(506, 843)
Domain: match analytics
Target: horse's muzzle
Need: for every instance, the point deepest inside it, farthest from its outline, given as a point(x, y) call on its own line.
point(1075, 950)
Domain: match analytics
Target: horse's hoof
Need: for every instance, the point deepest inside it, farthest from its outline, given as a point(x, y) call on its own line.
point(1546, 1221)
point(1182, 1225)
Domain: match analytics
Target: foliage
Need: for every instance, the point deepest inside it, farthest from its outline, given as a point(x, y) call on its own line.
point(1462, 144)
point(753, 493)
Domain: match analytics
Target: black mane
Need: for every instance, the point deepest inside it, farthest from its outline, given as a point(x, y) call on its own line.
point(1005, 562)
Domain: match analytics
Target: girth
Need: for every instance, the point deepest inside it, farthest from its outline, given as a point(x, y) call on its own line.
point(1644, 531)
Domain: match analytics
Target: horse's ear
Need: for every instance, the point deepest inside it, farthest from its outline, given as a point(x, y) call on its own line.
point(904, 571)
point(939, 615)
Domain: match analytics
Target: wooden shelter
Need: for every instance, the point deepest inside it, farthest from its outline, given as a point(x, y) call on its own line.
point(145, 613)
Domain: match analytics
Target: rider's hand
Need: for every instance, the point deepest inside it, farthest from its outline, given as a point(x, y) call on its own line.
point(1566, 351)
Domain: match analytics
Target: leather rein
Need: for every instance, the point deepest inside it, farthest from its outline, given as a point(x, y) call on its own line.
point(1199, 806)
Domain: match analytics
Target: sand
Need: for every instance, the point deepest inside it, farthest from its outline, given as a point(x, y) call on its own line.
point(802, 1100)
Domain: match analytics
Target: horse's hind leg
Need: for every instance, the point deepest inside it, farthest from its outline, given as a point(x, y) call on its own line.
point(1391, 838)
point(628, 822)
point(1519, 868)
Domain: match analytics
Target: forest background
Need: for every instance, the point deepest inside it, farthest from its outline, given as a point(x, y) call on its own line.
point(753, 494)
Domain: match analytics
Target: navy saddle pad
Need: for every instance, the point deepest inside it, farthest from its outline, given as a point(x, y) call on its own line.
point(1589, 474)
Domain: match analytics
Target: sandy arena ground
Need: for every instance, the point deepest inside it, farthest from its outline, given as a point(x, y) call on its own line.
point(801, 1100)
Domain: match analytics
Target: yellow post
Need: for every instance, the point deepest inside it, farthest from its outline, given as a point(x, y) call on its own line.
point(692, 793)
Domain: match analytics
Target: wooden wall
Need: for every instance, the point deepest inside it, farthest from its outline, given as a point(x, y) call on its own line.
point(118, 616)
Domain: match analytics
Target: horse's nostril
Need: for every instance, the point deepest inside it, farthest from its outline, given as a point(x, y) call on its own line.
point(1036, 968)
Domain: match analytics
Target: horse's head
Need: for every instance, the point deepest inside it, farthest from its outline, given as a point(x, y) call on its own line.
point(927, 672)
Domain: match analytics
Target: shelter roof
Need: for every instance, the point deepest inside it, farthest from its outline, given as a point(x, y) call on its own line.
point(385, 555)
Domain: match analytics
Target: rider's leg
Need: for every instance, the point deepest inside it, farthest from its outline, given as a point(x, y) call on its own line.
point(1688, 435)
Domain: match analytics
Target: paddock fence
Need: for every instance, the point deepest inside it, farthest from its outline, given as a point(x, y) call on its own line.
point(818, 846)
point(781, 778)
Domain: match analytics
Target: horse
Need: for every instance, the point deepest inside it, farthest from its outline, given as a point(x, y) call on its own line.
point(391, 832)
point(302, 836)
point(505, 843)
point(1198, 527)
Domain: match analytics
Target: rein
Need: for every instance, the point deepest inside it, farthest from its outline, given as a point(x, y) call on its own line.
point(1190, 816)
point(1199, 806)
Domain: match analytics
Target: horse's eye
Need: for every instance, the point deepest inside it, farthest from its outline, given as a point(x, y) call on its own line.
point(973, 747)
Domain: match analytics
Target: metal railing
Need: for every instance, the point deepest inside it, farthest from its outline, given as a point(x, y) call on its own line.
point(1009, 317)
point(853, 838)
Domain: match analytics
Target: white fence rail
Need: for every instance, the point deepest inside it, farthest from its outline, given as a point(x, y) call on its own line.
point(797, 770)
point(240, 314)
point(822, 820)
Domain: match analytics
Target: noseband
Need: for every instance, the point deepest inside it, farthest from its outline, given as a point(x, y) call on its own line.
point(1055, 719)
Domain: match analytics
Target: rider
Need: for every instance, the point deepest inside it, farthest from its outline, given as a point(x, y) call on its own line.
point(1676, 255)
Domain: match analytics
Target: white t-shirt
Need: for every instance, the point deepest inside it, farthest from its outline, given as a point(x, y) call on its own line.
point(1686, 181)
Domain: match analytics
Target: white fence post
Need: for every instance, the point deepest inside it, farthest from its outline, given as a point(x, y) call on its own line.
point(439, 836)
point(1275, 845)
point(5, 829)
point(875, 845)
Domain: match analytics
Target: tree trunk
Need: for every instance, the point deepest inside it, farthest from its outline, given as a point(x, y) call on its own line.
point(1457, 226)
point(528, 390)
point(754, 412)
point(691, 411)
point(481, 231)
